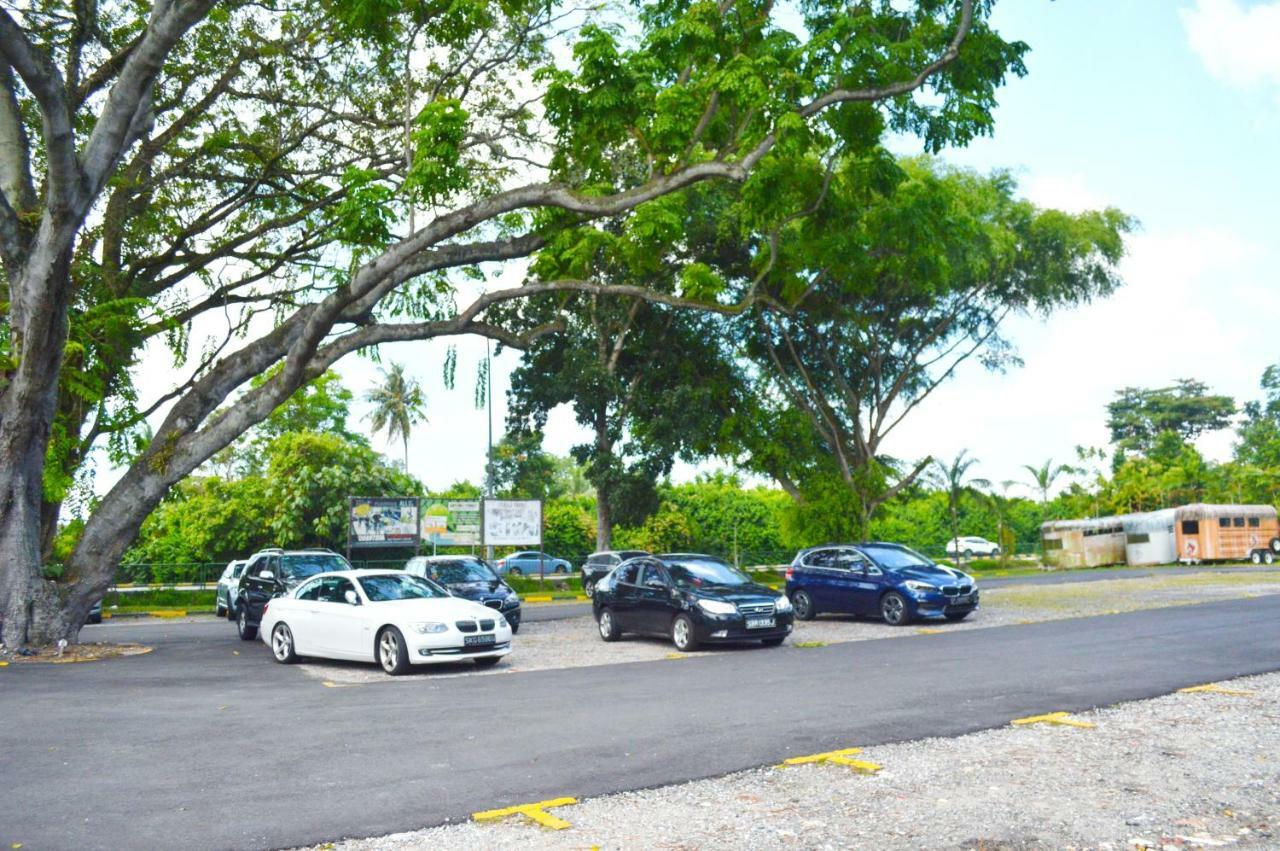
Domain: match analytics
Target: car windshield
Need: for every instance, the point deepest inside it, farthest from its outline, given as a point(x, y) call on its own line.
point(303, 565)
point(398, 586)
point(454, 572)
point(894, 557)
point(705, 571)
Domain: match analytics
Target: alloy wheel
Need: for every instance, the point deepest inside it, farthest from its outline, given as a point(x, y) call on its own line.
point(282, 642)
point(682, 633)
point(388, 651)
point(893, 609)
point(606, 624)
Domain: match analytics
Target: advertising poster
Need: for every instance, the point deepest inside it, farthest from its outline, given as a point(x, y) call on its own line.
point(384, 521)
point(512, 522)
point(451, 522)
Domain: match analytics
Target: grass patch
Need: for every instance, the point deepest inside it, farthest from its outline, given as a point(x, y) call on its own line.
point(160, 599)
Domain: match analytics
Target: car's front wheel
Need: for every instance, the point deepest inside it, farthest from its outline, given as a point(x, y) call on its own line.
point(393, 656)
point(561, 569)
point(682, 634)
point(893, 608)
point(246, 632)
point(608, 626)
point(515, 571)
point(968, 553)
point(803, 605)
point(282, 645)
point(588, 587)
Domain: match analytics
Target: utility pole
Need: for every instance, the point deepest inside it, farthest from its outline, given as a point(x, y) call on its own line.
point(488, 458)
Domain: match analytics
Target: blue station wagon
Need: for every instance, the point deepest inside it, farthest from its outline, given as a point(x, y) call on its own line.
point(878, 579)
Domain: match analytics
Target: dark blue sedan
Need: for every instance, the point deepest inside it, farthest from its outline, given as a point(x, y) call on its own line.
point(878, 580)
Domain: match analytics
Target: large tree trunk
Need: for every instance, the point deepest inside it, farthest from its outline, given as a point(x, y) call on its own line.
point(604, 522)
point(29, 603)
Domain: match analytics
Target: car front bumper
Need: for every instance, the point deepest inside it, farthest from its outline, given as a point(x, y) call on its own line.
point(451, 647)
point(940, 605)
point(732, 628)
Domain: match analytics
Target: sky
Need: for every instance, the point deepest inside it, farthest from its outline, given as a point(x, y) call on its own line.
point(1166, 109)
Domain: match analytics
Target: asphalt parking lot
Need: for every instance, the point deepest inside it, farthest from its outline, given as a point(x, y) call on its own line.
point(208, 743)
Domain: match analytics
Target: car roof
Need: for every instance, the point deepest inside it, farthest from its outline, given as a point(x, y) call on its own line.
point(678, 556)
point(446, 558)
point(854, 544)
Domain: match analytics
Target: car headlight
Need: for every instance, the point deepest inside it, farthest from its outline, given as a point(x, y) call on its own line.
point(920, 587)
point(782, 604)
point(513, 597)
point(429, 628)
point(717, 607)
point(502, 621)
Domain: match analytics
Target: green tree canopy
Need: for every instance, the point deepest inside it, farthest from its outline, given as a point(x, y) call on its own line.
point(1138, 416)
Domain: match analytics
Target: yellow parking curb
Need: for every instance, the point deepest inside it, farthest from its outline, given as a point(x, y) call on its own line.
point(928, 630)
point(840, 757)
point(547, 599)
point(1060, 718)
point(534, 812)
point(1217, 689)
point(168, 614)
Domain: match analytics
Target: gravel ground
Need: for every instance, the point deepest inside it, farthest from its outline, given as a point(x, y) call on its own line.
point(573, 642)
point(1189, 770)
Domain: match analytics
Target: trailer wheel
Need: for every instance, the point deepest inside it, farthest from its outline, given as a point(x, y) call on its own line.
point(1268, 557)
point(1275, 545)
point(1256, 556)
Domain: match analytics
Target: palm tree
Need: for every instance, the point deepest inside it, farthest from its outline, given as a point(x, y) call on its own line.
point(953, 478)
point(398, 405)
point(1000, 504)
point(1042, 478)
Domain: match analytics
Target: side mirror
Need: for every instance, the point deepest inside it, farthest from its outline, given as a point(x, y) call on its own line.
point(266, 574)
point(351, 598)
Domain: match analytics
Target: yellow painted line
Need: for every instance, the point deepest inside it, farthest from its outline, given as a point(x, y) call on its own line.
point(547, 599)
point(1060, 718)
point(168, 614)
point(536, 812)
point(928, 630)
point(332, 684)
point(1217, 689)
point(840, 757)
point(4, 664)
point(807, 644)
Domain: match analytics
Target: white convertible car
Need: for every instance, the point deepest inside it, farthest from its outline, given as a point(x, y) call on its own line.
point(390, 617)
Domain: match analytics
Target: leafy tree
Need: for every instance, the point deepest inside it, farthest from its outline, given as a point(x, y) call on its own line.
point(902, 272)
point(1138, 416)
point(398, 404)
point(955, 481)
point(568, 528)
point(1258, 435)
point(1043, 477)
point(277, 122)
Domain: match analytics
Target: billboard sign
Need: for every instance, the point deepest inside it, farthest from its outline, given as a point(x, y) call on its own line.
point(512, 522)
point(383, 521)
point(451, 522)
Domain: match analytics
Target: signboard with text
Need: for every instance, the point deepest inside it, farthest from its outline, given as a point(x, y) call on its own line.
point(512, 522)
point(383, 521)
point(451, 522)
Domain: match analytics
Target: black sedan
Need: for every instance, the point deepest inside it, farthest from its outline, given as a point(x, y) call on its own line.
point(695, 599)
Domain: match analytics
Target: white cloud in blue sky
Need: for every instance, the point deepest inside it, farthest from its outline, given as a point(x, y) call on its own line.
point(1236, 41)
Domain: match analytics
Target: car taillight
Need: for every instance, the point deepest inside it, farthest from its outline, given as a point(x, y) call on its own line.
point(264, 608)
point(790, 571)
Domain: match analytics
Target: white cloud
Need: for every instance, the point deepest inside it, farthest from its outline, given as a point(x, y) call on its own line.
point(1236, 42)
point(1066, 192)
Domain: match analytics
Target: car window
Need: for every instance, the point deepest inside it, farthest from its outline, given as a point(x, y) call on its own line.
point(893, 557)
point(257, 565)
point(627, 573)
point(692, 572)
point(462, 570)
point(653, 577)
point(237, 570)
point(626, 554)
point(299, 566)
point(820, 558)
point(310, 591)
point(849, 560)
point(333, 589)
point(399, 586)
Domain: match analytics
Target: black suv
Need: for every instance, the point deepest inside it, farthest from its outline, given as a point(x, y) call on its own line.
point(272, 572)
point(692, 598)
point(599, 564)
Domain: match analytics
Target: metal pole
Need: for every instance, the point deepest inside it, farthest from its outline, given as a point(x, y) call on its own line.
point(351, 504)
point(542, 556)
point(488, 460)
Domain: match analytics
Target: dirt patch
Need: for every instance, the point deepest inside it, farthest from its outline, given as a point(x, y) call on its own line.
point(73, 653)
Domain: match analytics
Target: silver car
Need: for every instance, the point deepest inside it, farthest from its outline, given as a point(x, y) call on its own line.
point(229, 590)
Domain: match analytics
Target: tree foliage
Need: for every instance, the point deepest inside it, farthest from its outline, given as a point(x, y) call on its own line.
point(1139, 416)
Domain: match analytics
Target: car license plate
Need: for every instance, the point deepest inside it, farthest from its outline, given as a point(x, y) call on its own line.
point(473, 640)
point(761, 623)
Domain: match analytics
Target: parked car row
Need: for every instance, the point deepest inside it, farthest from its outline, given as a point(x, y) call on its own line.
point(446, 608)
point(697, 599)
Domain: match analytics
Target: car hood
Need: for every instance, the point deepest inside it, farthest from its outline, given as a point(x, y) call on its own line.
point(749, 593)
point(479, 590)
point(934, 575)
point(437, 609)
